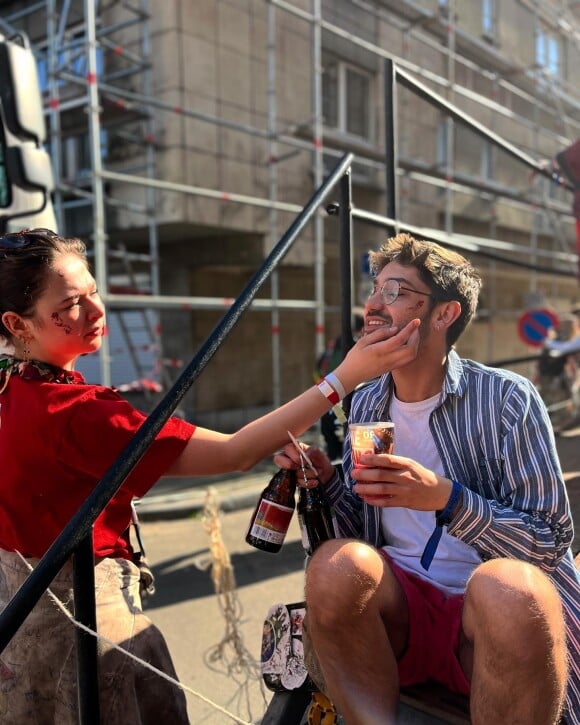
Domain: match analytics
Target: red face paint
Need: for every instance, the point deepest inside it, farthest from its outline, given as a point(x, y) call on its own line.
point(55, 317)
point(417, 306)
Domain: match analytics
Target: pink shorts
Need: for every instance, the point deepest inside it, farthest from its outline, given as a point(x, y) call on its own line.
point(434, 626)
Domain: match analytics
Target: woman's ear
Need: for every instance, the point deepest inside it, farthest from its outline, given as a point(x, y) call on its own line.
point(14, 323)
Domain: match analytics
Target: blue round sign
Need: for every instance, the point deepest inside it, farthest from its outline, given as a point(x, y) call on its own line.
point(534, 325)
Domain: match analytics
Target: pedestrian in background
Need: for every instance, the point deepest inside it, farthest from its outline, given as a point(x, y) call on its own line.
point(59, 436)
point(559, 372)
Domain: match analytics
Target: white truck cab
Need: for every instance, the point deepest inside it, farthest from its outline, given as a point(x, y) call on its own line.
point(26, 179)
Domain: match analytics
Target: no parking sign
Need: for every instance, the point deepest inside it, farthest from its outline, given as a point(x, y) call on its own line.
point(533, 326)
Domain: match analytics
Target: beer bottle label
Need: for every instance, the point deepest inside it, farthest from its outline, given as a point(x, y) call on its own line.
point(271, 522)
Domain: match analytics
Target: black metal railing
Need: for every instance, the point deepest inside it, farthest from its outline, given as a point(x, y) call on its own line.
point(393, 75)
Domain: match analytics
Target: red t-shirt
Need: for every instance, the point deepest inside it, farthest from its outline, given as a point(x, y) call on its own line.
point(56, 443)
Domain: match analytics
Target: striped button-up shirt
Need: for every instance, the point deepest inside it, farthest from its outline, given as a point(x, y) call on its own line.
point(494, 436)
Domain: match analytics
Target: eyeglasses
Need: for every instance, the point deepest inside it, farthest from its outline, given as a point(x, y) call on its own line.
point(18, 240)
point(391, 289)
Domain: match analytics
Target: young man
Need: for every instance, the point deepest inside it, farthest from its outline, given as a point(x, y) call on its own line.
point(456, 562)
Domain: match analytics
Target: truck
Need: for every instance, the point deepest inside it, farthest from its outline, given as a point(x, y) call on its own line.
point(26, 178)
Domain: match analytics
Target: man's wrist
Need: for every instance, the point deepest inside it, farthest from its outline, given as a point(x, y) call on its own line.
point(454, 503)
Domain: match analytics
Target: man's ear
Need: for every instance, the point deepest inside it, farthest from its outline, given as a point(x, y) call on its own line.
point(446, 314)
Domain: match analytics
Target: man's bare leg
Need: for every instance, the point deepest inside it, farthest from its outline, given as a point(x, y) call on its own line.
point(358, 622)
point(514, 646)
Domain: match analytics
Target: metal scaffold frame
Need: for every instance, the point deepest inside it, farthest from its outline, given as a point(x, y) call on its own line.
point(97, 91)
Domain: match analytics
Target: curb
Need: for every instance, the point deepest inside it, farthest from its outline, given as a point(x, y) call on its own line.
point(232, 496)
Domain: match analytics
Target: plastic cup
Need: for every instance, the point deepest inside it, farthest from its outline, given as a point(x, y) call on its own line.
point(376, 437)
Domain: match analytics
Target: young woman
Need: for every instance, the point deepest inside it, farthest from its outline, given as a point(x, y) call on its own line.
point(59, 436)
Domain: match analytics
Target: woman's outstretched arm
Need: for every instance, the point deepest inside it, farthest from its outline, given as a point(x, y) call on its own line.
point(210, 452)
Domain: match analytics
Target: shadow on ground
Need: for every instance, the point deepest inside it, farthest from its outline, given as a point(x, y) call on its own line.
point(188, 577)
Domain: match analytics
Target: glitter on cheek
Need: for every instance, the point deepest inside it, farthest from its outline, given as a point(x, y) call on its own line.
point(55, 317)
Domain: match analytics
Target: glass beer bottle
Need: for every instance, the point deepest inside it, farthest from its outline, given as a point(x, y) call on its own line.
point(272, 516)
point(317, 523)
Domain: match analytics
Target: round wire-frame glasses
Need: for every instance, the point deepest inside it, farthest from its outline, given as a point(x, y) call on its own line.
point(390, 290)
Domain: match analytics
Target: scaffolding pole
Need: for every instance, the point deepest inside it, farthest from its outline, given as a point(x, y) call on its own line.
point(318, 165)
point(273, 189)
point(99, 235)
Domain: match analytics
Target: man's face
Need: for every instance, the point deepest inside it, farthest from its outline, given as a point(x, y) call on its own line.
point(414, 299)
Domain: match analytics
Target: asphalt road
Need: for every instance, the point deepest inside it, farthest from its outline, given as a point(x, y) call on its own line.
point(188, 612)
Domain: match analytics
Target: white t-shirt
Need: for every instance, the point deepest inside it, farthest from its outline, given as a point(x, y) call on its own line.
point(408, 531)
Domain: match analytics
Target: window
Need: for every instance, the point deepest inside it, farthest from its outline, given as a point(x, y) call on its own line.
point(487, 160)
point(488, 18)
point(548, 52)
point(76, 155)
point(473, 156)
point(442, 144)
point(346, 98)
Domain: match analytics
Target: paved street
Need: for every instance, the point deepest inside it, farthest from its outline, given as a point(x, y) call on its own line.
point(187, 611)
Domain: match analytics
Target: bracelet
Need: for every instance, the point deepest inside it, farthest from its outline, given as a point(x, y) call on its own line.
point(442, 517)
point(336, 384)
point(328, 391)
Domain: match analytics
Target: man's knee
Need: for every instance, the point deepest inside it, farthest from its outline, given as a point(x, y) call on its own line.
point(341, 574)
point(512, 599)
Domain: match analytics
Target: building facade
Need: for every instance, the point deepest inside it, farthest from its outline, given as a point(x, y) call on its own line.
point(186, 136)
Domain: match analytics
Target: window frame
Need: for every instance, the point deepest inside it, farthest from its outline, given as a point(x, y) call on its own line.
point(341, 101)
point(545, 43)
point(488, 19)
point(487, 156)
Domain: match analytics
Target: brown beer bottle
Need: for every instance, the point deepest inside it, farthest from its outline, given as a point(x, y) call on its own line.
point(317, 523)
point(272, 516)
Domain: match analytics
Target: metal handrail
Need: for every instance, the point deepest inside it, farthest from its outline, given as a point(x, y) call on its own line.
point(395, 74)
point(453, 240)
point(434, 99)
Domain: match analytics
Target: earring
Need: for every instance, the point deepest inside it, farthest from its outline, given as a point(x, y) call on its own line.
point(26, 350)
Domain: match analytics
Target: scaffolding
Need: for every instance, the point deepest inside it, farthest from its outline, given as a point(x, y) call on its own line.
point(100, 102)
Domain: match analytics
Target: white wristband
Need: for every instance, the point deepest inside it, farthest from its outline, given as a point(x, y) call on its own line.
point(337, 385)
point(328, 391)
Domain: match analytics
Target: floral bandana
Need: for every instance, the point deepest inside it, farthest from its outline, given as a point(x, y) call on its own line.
point(34, 370)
